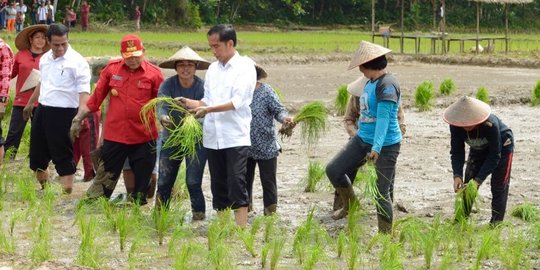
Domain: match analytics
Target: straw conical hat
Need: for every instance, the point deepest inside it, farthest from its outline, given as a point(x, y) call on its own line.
point(466, 112)
point(356, 88)
point(367, 52)
point(22, 41)
point(186, 53)
point(31, 81)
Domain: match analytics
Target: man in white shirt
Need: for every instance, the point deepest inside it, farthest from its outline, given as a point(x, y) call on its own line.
point(65, 83)
point(228, 90)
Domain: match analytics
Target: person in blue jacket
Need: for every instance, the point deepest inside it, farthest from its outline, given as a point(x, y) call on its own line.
point(378, 137)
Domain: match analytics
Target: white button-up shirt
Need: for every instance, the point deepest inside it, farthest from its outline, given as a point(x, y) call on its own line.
point(233, 82)
point(63, 78)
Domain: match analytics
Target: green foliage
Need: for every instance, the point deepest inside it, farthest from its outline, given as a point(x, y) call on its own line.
point(483, 94)
point(424, 95)
point(341, 100)
point(41, 249)
point(535, 99)
point(88, 254)
point(447, 87)
point(315, 174)
point(526, 211)
point(488, 246)
point(313, 121)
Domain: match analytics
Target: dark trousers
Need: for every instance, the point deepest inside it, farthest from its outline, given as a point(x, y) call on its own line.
point(500, 181)
point(168, 170)
point(16, 130)
point(49, 139)
point(352, 156)
point(142, 159)
point(228, 177)
point(267, 172)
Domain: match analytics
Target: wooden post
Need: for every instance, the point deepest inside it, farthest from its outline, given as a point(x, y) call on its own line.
point(373, 21)
point(443, 27)
point(506, 29)
point(477, 26)
point(401, 45)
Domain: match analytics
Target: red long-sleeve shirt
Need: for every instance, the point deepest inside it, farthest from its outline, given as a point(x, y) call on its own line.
point(129, 91)
point(6, 55)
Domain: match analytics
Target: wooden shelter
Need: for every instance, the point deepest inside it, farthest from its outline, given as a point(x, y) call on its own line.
point(503, 2)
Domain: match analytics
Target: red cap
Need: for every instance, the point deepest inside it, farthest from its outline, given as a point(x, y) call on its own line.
point(131, 45)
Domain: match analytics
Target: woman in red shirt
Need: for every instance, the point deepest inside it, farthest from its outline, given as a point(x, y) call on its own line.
point(32, 44)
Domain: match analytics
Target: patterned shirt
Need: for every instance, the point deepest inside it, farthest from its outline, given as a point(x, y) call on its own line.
point(6, 55)
point(265, 107)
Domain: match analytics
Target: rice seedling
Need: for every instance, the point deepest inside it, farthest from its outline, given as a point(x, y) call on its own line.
point(265, 250)
point(515, 255)
point(220, 257)
point(313, 120)
point(535, 99)
point(354, 252)
point(368, 180)
point(315, 254)
point(308, 236)
point(16, 216)
point(488, 246)
point(220, 229)
point(180, 191)
point(108, 211)
point(50, 196)
point(41, 250)
point(316, 173)
point(353, 218)
point(277, 249)
point(7, 245)
point(465, 199)
point(526, 212)
point(447, 87)
point(184, 136)
point(25, 190)
point(483, 94)
point(430, 242)
point(391, 254)
point(269, 223)
point(249, 236)
point(162, 222)
point(179, 234)
point(410, 232)
point(88, 254)
point(341, 100)
point(424, 95)
point(341, 243)
point(535, 232)
point(183, 258)
point(123, 225)
point(133, 253)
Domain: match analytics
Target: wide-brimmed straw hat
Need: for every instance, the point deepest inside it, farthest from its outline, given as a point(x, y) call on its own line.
point(185, 54)
point(356, 88)
point(367, 52)
point(466, 112)
point(22, 41)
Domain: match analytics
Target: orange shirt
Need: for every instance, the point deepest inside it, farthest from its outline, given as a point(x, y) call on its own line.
point(129, 91)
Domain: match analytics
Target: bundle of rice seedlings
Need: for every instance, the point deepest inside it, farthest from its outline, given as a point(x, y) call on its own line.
point(465, 199)
point(535, 99)
point(483, 95)
point(447, 87)
point(368, 178)
point(342, 98)
point(184, 136)
point(313, 121)
point(526, 212)
point(315, 174)
point(423, 95)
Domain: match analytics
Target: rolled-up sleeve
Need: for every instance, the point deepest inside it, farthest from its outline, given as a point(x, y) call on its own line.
point(82, 77)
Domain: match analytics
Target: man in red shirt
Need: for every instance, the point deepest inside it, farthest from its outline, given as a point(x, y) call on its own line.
point(130, 82)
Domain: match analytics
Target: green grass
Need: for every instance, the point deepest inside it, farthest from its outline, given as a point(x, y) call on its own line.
point(313, 121)
point(447, 87)
point(535, 99)
point(424, 95)
point(483, 95)
point(526, 212)
point(465, 198)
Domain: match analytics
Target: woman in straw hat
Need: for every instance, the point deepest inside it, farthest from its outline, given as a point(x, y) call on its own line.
point(350, 120)
point(265, 107)
point(491, 145)
point(32, 44)
point(184, 84)
point(378, 137)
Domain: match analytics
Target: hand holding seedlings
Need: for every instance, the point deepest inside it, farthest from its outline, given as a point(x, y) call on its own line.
point(166, 121)
point(458, 183)
point(373, 156)
point(182, 101)
point(200, 112)
point(75, 128)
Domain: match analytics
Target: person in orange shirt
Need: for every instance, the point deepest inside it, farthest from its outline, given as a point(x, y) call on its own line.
point(131, 82)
